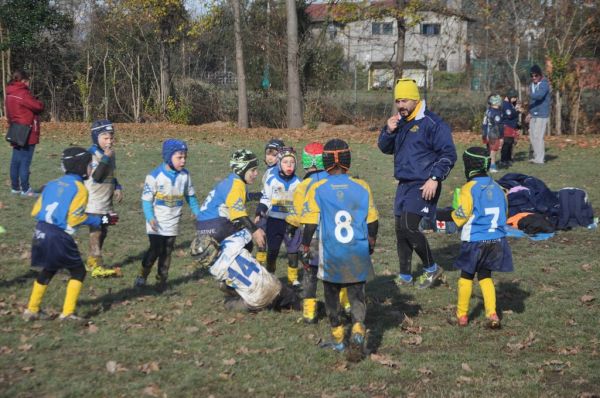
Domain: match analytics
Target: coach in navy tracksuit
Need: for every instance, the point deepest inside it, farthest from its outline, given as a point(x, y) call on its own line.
point(424, 154)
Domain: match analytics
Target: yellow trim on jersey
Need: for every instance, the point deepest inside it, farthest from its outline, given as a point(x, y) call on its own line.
point(77, 214)
point(236, 200)
point(295, 213)
point(373, 214)
point(465, 204)
point(37, 207)
point(310, 209)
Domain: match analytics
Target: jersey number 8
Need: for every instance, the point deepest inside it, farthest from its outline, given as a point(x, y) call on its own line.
point(343, 227)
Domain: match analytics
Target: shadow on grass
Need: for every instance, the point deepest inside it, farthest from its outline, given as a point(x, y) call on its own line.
point(105, 302)
point(386, 309)
point(20, 279)
point(137, 258)
point(445, 256)
point(509, 297)
point(523, 156)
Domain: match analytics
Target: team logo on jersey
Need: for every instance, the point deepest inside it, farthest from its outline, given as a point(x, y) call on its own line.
point(340, 195)
point(425, 210)
point(147, 189)
point(305, 208)
point(460, 212)
point(414, 129)
point(239, 205)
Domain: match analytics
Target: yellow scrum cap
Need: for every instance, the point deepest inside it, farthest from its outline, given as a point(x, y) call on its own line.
point(406, 89)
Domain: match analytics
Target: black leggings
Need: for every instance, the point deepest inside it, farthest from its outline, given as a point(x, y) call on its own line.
point(409, 238)
point(356, 296)
point(45, 276)
point(481, 274)
point(161, 248)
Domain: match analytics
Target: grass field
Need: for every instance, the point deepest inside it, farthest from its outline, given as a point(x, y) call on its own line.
point(181, 342)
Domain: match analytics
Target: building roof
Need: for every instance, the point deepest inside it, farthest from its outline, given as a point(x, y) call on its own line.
point(322, 12)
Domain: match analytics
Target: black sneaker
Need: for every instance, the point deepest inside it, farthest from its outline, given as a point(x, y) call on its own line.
point(356, 348)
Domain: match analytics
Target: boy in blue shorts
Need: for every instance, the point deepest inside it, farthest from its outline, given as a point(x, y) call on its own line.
point(165, 190)
point(59, 211)
point(481, 211)
point(343, 209)
point(275, 205)
point(103, 187)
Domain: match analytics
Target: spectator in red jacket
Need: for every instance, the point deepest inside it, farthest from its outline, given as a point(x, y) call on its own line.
point(22, 108)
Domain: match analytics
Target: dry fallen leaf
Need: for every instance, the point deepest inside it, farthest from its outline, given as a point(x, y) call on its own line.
point(463, 379)
point(385, 360)
point(586, 267)
point(25, 347)
point(27, 369)
point(587, 298)
point(425, 371)
point(192, 329)
point(111, 366)
point(92, 328)
point(152, 390)
point(229, 362)
point(466, 367)
point(149, 367)
point(341, 367)
point(414, 340)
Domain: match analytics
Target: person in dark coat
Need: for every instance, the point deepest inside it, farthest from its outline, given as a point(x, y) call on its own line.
point(424, 153)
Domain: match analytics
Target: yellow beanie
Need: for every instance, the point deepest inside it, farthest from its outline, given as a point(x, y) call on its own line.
point(406, 89)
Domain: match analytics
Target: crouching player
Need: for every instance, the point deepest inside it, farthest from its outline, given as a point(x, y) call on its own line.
point(312, 162)
point(59, 211)
point(481, 211)
point(342, 208)
point(247, 285)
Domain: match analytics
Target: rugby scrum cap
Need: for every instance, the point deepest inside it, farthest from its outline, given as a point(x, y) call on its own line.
point(406, 89)
point(274, 143)
point(477, 161)
point(336, 152)
point(495, 100)
point(312, 156)
point(241, 161)
point(102, 126)
point(169, 148)
point(75, 160)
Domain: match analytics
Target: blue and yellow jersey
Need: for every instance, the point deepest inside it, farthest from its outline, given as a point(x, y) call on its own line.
point(227, 200)
point(481, 211)
point(342, 206)
point(63, 203)
point(293, 217)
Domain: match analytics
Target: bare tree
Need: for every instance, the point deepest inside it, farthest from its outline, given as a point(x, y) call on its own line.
point(239, 60)
point(294, 96)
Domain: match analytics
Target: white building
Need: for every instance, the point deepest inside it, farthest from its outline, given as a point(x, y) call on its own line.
point(435, 40)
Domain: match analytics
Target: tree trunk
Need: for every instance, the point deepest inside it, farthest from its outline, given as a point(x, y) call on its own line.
point(105, 84)
point(294, 96)
point(2, 75)
point(165, 76)
point(400, 40)
point(558, 114)
point(239, 61)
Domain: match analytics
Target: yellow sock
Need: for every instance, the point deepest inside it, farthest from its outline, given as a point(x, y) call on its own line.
point(37, 294)
point(292, 275)
point(344, 301)
point(261, 257)
point(488, 292)
point(358, 328)
point(309, 308)
point(465, 287)
point(73, 290)
point(338, 334)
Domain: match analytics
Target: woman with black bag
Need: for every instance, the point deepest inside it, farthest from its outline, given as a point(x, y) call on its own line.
point(22, 111)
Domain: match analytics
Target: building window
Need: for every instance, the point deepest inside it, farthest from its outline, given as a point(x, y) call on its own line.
point(430, 29)
point(442, 65)
point(382, 28)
